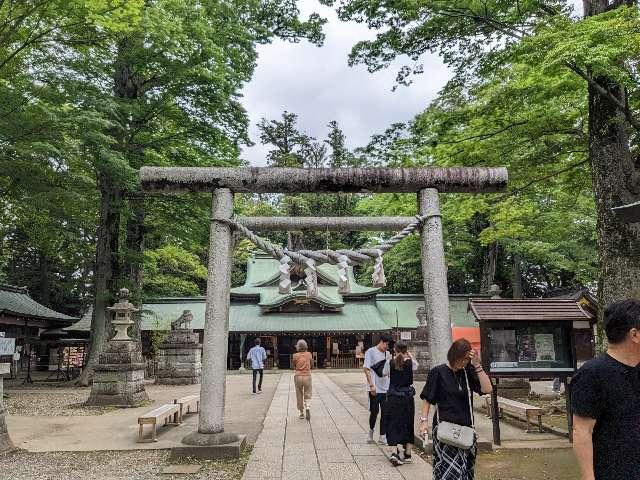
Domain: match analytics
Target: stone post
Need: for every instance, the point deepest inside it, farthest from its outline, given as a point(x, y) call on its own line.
point(5, 441)
point(180, 358)
point(420, 344)
point(243, 339)
point(434, 277)
point(119, 379)
point(215, 342)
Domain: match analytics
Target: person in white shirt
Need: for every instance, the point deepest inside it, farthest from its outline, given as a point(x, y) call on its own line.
point(375, 358)
point(257, 355)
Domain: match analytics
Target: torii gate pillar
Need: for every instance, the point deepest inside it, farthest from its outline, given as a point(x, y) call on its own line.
point(216, 330)
point(434, 277)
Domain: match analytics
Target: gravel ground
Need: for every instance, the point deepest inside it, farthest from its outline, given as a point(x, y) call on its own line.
point(51, 404)
point(60, 401)
point(123, 465)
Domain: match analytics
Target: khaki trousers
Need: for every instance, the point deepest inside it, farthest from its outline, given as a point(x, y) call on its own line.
point(303, 389)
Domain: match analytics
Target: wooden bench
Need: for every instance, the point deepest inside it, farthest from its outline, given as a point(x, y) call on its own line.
point(170, 413)
point(521, 410)
point(186, 404)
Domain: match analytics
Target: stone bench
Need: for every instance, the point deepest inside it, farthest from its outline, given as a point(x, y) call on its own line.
point(170, 413)
point(186, 404)
point(519, 409)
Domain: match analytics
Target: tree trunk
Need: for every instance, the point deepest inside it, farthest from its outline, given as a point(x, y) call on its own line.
point(516, 278)
point(105, 272)
point(44, 296)
point(616, 181)
point(489, 267)
point(134, 259)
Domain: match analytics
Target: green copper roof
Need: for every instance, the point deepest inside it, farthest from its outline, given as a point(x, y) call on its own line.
point(356, 316)
point(263, 273)
point(274, 299)
point(260, 292)
point(16, 301)
point(407, 305)
point(362, 316)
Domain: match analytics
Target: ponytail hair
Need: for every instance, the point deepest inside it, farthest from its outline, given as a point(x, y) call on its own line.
point(400, 348)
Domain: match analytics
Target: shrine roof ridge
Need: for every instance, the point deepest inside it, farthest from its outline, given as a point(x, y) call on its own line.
point(528, 309)
point(323, 180)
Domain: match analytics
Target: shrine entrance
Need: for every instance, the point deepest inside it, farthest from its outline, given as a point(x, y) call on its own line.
point(427, 182)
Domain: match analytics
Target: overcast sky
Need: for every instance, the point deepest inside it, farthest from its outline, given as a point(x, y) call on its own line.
point(319, 86)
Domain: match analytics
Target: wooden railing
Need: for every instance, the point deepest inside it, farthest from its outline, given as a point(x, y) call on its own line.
point(346, 361)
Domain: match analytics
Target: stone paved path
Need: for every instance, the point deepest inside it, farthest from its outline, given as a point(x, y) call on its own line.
point(333, 446)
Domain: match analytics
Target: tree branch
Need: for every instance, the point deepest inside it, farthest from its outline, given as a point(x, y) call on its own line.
point(546, 177)
point(484, 136)
point(605, 92)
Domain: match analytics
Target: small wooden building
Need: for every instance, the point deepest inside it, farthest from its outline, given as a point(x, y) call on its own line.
point(26, 320)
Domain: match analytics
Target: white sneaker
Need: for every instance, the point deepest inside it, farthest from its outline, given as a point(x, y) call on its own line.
point(307, 412)
point(370, 437)
point(383, 440)
point(396, 460)
point(301, 417)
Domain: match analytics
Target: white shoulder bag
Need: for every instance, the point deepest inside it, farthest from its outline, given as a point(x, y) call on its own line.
point(456, 435)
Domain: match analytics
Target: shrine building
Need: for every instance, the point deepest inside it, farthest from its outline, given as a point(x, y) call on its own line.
point(337, 327)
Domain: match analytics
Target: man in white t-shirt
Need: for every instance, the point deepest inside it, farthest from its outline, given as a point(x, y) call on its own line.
point(257, 354)
point(378, 385)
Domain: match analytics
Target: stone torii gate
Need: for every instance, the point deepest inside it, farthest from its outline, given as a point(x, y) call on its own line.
point(223, 182)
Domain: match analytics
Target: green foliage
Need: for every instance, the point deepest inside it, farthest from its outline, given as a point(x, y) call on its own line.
point(91, 90)
point(173, 271)
point(288, 142)
point(604, 45)
point(156, 338)
point(241, 255)
point(517, 98)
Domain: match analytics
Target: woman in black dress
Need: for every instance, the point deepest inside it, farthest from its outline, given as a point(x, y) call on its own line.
point(446, 388)
point(400, 407)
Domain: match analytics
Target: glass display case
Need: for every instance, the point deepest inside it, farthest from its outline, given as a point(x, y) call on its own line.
point(528, 349)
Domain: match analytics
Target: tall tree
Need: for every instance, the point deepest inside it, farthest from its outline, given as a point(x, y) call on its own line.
point(615, 168)
point(475, 38)
point(164, 111)
point(47, 138)
point(287, 141)
point(339, 155)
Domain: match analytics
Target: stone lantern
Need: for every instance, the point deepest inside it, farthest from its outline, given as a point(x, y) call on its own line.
point(494, 291)
point(119, 374)
point(122, 316)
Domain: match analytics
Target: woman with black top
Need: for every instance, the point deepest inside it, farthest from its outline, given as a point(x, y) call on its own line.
point(446, 388)
point(400, 407)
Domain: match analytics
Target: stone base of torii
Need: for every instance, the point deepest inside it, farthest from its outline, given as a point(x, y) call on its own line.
point(224, 182)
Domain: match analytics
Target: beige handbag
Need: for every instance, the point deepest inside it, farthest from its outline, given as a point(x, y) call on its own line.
point(456, 435)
